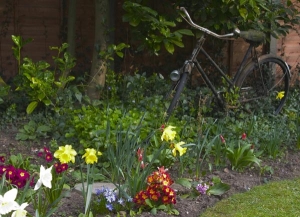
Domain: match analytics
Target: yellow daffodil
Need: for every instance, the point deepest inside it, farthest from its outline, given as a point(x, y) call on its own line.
point(168, 134)
point(177, 147)
point(280, 95)
point(65, 154)
point(91, 155)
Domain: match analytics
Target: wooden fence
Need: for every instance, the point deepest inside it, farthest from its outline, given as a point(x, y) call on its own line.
point(46, 21)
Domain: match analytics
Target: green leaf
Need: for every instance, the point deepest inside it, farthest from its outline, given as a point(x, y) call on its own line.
point(21, 136)
point(78, 96)
point(43, 128)
point(242, 2)
point(185, 32)
point(243, 12)
point(30, 108)
point(27, 41)
point(120, 54)
point(148, 202)
point(16, 40)
point(218, 189)
point(169, 47)
point(41, 95)
point(184, 182)
point(153, 211)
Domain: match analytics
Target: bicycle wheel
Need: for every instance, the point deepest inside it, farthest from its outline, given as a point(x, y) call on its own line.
point(264, 86)
point(177, 89)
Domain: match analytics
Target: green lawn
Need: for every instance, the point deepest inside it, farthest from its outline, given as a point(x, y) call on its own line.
point(272, 199)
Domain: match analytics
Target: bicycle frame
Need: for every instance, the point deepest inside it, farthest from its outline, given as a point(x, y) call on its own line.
point(189, 65)
point(249, 63)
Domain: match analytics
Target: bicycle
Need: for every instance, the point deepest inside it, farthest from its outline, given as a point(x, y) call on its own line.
point(260, 81)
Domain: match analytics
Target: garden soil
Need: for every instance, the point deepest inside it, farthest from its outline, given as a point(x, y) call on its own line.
point(286, 167)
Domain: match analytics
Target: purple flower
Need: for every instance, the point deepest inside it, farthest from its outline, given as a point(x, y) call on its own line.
point(202, 188)
point(121, 201)
point(109, 206)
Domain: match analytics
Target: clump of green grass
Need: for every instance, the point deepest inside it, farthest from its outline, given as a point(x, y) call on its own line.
point(272, 199)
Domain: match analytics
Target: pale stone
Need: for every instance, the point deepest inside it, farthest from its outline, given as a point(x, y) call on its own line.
point(96, 185)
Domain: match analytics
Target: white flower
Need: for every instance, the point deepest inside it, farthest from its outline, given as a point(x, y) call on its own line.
point(20, 211)
point(45, 178)
point(7, 201)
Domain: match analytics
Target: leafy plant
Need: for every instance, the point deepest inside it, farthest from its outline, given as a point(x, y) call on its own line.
point(32, 131)
point(271, 17)
point(36, 80)
point(129, 173)
point(242, 155)
point(4, 90)
point(158, 28)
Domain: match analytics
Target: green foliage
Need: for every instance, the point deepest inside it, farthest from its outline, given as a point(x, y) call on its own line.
point(271, 17)
point(231, 97)
point(4, 90)
point(125, 169)
point(113, 49)
point(155, 29)
point(19, 43)
point(37, 81)
point(33, 130)
point(241, 156)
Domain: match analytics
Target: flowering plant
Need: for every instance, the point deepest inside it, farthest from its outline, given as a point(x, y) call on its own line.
point(159, 194)
point(67, 154)
point(242, 154)
point(8, 204)
point(106, 201)
point(214, 187)
point(50, 185)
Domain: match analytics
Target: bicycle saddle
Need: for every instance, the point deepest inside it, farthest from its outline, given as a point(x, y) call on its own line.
point(251, 35)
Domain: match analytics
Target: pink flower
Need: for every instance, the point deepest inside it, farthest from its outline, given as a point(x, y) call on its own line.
point(143, 165)
point(244, 136)
point(40, 154)
point(2, 159)
point(140, 153)
point(46, 150)
point(10, 172)
point(31, 184)
point(19, 182)
point(222, 139)
point(64, 167)
point(48, 156)
point(22, 174)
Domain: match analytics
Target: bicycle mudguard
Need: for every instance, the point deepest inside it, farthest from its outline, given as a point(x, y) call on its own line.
point(253, 35)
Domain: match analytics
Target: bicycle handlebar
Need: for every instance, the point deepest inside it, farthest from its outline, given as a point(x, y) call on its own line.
point(252, 35)
point(190, 21)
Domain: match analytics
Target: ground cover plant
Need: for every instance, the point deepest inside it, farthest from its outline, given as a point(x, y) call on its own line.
point(194, 148)
point(123, 139)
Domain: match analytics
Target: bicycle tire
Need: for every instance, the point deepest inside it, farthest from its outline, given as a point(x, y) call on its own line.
point(266, 89)
point(178, 89)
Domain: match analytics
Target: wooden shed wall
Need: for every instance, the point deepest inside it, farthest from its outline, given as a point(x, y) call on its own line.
point(39, 20)
point(45, 22)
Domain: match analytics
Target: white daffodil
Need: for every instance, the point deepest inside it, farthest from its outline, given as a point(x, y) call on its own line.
point(20, 211)
point(45, 178)
point(7, 201)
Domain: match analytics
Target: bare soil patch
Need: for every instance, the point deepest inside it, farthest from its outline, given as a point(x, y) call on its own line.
point(287, 167)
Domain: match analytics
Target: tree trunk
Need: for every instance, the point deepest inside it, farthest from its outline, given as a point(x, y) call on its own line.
point(99, 66)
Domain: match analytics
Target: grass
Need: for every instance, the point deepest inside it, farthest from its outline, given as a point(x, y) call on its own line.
point(273, 199)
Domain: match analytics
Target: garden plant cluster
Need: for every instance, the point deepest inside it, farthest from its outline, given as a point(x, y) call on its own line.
point(122, 139)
